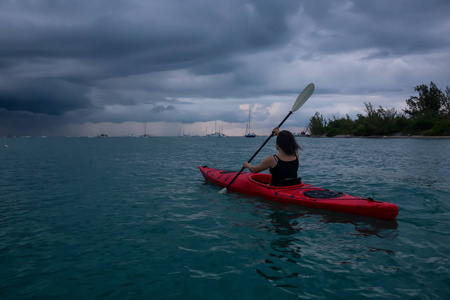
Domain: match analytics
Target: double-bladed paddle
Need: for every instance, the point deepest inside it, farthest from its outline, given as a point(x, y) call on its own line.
point(301, 99)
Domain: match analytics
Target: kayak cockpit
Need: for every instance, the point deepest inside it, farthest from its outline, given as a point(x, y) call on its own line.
point(261, 178)
point(264, 180)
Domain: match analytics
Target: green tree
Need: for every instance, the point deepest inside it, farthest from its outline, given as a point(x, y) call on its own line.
point(317, 124)
point(389, 117)
point(340, 126)
point(445, 107)
point(428, 102)
point(371, 124)
point(429, 111)
point(379, 121)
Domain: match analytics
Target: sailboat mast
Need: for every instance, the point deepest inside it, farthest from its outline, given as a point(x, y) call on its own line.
point(249, 133)
point(249, 120)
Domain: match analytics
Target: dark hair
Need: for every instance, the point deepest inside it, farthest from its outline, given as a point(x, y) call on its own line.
point(286, 141)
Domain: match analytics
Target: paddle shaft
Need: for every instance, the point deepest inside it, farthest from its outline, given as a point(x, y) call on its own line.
point(256, 153)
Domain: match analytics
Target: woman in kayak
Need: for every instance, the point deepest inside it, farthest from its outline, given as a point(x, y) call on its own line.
point(284, 165)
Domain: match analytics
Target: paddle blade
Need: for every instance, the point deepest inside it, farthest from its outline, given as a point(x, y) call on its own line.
point(303, 97)
point(223, 191)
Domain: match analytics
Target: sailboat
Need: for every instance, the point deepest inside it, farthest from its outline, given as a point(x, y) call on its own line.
point(182, 134)
point(146, 135)
point(216, 133)
point(248, 133)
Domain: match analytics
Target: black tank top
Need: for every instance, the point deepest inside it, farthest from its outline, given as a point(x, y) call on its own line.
point(283, 170)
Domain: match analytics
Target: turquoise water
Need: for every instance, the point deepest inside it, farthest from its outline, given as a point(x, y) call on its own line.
point(131, 218)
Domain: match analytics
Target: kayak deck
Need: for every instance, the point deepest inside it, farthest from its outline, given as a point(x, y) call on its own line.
point(303, 194)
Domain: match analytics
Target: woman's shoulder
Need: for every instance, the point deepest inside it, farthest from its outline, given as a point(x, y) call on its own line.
point(270, 160)
point(271, 157)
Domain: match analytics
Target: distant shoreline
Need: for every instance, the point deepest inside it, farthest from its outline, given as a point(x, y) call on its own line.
point(342, 136)
point(385, 137)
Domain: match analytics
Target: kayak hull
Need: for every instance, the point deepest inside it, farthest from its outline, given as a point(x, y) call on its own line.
point(257, 184)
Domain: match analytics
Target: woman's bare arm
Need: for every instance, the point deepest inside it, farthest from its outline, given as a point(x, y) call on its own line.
point(268, 162)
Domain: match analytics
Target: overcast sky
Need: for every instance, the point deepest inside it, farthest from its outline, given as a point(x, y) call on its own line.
point(111, 66)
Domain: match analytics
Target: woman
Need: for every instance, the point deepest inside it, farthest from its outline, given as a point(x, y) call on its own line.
point(284, 165)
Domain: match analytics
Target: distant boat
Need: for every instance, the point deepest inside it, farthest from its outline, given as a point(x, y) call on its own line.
point(216, 134)
point(248, 132)
point(302, 134)
point(102, 136)
point(145, 135)
point(182, 134)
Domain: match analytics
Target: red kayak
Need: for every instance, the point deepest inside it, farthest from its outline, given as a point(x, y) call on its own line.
point(303, 194)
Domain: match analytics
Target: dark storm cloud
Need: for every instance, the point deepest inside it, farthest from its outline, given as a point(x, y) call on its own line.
point(42, 96)
point(123, 40)
point(89, 42)
point(394, 27)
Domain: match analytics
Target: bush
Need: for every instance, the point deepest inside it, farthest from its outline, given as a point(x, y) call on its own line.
point(340, 126)
point(442, 127)
point(360, 130)
point(420, 125)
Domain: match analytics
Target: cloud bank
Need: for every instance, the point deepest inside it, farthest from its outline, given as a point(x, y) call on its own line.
point(88, 62)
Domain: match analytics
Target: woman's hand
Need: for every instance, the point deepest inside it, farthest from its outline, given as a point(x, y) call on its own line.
point(276, 131)
point(246, 165)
